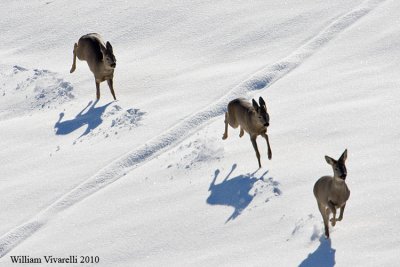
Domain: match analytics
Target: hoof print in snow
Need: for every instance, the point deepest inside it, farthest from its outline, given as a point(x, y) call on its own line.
point(238, 192)
point(102, 120)
point(200, 150)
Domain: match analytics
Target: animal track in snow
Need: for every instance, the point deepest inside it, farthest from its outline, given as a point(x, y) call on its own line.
point(124, 118)
point(200, 150)
point(240, 191)
point(117, 120)
point(27, 90)
point(306, 222)
point(99, 121)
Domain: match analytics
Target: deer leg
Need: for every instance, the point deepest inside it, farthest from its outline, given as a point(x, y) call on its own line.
point(341, 212)
point(253, 141)
point(74, 59)
point(241, 132)
point(110, 84)
point(325, 218)
point(265, 135)
point(332, 208)
point(97, 90)
point(226, 126)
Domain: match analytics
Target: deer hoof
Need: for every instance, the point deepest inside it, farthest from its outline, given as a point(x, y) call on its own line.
point(327, 234)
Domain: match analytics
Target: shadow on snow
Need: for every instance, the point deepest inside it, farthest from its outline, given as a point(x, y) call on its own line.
point(324, 256)
point(234, 192)
point(91, 118)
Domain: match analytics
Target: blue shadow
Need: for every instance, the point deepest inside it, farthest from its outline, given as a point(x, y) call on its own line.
point(234, 192)
point(324, 256)
point(91, 118)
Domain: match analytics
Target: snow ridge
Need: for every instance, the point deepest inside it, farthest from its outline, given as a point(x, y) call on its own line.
point(128, 162)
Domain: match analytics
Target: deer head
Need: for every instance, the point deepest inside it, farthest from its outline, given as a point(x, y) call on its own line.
point(338, 166)
point(108, 56)
point(261, 111)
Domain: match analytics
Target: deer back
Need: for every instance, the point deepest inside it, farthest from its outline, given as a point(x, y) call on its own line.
point(93, 50)
point(243, 113)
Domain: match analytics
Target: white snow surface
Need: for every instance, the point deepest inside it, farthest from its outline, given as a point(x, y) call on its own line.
point(148, 181)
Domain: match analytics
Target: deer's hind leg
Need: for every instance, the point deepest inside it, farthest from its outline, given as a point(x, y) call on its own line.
point(74, 59)
point(226, 126)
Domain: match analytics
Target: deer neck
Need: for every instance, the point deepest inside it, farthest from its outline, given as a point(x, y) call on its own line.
point(253, 119)
point(337, 183)
point(102, 68)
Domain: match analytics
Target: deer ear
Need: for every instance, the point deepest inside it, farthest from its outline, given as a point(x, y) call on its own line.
point(102, 49)
point(255, 105)
point(262, 102)
point(109, 47)
point(329, 160)
point(343, 157)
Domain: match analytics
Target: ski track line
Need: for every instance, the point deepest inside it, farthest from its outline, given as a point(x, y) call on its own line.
point(182, 130)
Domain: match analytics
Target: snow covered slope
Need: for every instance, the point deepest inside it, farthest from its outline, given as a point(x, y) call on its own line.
point(147, 180)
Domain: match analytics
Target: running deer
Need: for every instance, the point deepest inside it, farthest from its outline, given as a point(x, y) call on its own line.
point(332, 192)
point(252, 118)
point(100, 58)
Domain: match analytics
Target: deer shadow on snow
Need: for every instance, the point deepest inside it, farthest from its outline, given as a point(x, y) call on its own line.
point(91, 118)
point(235, 192)
point(323, 256)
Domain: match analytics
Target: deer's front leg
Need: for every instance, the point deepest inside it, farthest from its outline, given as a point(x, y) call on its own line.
point(97, 90)
point(253, 141)
point(325, 216)
point(341, 212)
point(331, 206)
point(241, 132)
point(110, 84)
point(265, 135)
